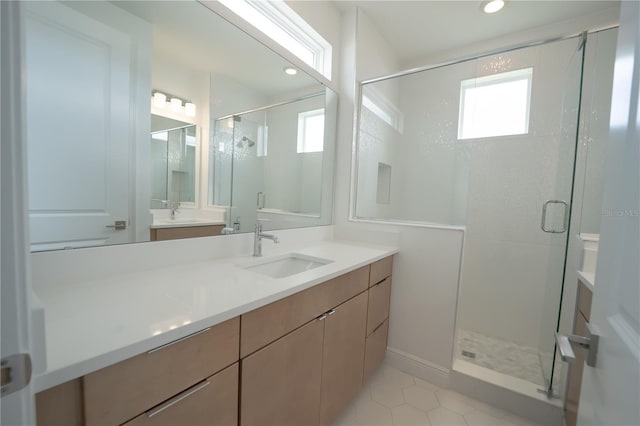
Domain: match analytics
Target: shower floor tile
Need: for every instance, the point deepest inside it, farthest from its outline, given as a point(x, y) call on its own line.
point(504, 357)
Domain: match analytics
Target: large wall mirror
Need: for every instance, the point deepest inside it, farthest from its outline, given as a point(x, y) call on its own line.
point(155, 114)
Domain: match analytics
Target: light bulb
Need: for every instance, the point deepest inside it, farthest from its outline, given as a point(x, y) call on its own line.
point(190, 109)
point(492, 6)
point(159, 100)
point(290, 70)
point(176, 104)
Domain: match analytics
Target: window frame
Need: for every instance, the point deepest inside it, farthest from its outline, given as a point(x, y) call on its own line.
point(289, 25)
point(523, 74)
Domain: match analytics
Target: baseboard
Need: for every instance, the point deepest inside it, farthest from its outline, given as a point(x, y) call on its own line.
point(418, 367)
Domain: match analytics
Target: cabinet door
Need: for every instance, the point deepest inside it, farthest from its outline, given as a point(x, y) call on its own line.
point(213, 402)
point(343, 356)
point(281, 382)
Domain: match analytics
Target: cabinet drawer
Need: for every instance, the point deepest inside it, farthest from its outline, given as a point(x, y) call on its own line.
point(375, 349)
point(584, 301)
point(264, 325)
point(180, 232)
point(211, 402)
point(379, 297)
point(380, 270)
point(120, 392)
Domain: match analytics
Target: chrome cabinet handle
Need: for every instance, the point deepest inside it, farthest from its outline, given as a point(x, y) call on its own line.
point(565, 220)
point(173, 401)
point(182, 339)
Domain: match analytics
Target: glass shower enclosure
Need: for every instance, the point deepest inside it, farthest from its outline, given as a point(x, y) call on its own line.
point(487, 145)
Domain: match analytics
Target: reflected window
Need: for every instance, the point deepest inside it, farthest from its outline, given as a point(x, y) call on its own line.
point(279, 22)
point(311, 131)
point(495, 105)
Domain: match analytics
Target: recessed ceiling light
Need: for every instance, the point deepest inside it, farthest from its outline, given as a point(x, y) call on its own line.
point(290, 70)
point(492, 6)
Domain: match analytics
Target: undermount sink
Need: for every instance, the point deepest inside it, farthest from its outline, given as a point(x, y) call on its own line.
point(286, 265)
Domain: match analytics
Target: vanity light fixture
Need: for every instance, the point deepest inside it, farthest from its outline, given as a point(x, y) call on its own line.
point(173, 103)
point(290, 71)
point(492, 6)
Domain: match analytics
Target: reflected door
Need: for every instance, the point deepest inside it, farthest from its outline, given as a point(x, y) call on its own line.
point(77, 128)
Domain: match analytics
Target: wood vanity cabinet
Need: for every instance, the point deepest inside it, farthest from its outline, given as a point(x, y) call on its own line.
point(278, 387)
point(297, 361)
point(180, 232)
point(172, 376)
point(574, 378)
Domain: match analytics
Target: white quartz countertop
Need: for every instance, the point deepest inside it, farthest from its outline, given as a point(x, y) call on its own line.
point(588, 278)
point(94, 324)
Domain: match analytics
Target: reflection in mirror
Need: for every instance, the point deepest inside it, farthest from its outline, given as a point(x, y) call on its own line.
point(278, 153)
point(91, 70)
point(173, 162)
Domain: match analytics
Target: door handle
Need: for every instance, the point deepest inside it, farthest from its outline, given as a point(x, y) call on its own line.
point(16, 373)
point(588, 343)
point(118, 225)
point(565, 220)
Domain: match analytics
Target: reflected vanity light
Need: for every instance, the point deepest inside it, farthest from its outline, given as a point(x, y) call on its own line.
point(492, 6)
point(175, 104)
point(159, 99)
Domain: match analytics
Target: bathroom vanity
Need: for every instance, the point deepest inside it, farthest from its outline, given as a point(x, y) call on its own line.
point(188, 230)
point(289, 350)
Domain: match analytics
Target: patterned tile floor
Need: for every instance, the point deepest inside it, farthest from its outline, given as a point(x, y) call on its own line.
point(394, 398)
point(501, 356)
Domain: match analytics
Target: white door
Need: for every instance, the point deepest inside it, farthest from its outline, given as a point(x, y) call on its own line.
point(78, 73)
point(610, 393)
point(16, 407)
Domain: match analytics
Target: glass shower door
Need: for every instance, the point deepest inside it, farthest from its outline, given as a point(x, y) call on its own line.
point(569, 125)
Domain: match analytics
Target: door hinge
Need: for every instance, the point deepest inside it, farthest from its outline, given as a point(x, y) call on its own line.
point(16, 373)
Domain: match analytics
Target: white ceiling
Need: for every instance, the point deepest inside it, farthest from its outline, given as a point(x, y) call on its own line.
point(418, 29)
point(199, 39)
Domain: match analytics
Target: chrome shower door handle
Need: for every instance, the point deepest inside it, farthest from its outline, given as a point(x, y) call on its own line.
point(565, 219)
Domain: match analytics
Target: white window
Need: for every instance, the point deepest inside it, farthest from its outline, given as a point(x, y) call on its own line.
point(311, 131)
point(383, 108)
point(278, 21)
point(495, 105)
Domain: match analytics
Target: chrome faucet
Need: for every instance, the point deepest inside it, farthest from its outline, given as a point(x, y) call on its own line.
point(257, 240)
point(173, 205)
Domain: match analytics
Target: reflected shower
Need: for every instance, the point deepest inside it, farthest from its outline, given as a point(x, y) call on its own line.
point(245, 141)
